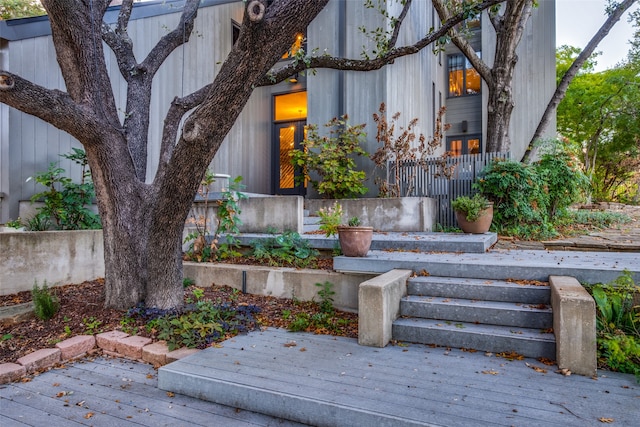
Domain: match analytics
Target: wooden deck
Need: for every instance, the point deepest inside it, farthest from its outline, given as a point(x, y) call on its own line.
point(298, 375)
point(430, 386)
point(115, 393)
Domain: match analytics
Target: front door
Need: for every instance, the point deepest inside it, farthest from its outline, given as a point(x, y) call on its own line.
point(289, 121)
point(288, 179)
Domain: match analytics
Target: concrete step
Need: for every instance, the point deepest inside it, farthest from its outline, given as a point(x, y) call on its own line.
point(477, 311)
point(475, 289)
point(586, 267)
point(488, 338)
point(311, 220)
point(390, 242)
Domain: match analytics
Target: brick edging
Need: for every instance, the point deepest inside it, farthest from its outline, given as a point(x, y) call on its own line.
point(113, 343)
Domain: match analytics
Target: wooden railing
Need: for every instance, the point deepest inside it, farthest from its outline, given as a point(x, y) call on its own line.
point(443, 178)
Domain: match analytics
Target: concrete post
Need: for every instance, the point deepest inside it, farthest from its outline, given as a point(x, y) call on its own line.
point(574, 324)
point(379, 305)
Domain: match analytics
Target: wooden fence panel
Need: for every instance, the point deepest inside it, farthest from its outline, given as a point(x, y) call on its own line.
point(442, 178)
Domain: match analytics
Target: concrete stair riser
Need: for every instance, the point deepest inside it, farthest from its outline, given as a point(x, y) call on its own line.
point(476, 311)
point(485, 315)
point(476, 289)
point(488, 338)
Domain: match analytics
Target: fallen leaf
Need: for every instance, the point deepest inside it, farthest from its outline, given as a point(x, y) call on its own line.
point(605, 420)
point(170, 394)
point(89, 415)
point(56, 384)
point(303, 349)
point(490, 372)
point(537, 368)
point(149, 376)
point(80, 403)
point(290, 344)
point(564, 372)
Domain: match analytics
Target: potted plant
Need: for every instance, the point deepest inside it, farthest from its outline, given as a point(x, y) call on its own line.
point(354, 238)
point(474, 214)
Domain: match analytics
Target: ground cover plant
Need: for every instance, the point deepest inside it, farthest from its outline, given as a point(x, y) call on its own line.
point(82, 311)
point(618, 324)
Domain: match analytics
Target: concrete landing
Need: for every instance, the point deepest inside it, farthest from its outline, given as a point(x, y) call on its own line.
point(327, 381)
point(424, 242)
point(587, 267)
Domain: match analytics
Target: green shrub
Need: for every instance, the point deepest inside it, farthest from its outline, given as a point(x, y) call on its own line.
point(201, 248)
point(65, 202)
point(563, 181)
point(45, 305)
point(618, 324)
point(517, 192)
point(331, 158)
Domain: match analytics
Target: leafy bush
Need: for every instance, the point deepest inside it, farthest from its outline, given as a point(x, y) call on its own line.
point(45, 305)
point(331, 158)
point(563, 180)
point(287, 248)
point(517, 192)
point(618, 324)
point(65, 202)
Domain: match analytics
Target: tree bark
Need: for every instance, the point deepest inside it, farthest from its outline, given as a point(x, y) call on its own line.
point(561, 90)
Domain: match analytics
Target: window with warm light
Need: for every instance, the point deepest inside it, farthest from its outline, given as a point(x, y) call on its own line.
point(298, 44)
point(459, 145)
point(463, 78)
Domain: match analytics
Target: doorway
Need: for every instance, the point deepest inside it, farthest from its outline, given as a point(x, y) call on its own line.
point(289, 130)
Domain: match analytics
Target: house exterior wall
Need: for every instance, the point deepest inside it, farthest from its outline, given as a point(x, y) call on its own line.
point(28, 145)
point(415, 86)
point(406, 87)
point(534, 79)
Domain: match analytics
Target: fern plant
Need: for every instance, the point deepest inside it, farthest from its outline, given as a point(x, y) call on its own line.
point(45, 304)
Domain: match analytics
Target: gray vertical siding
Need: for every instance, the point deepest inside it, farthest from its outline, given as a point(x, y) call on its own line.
point(534, 77)
point(28, 144)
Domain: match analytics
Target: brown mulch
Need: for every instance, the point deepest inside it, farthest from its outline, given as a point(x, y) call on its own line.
point(82, 311)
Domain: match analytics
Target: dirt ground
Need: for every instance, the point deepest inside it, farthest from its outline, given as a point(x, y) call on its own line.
point(82, 312)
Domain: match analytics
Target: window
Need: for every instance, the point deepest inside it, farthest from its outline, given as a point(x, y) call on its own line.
point(463, 78)
point(459, 145)
point(299, 43)
point(235, 28)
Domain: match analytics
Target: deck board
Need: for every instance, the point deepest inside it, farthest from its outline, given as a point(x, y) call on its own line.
point(118, 393)
point(418, 383)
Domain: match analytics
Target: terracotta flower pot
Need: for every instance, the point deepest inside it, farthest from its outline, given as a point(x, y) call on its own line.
point(355, 241)
point(481, 225)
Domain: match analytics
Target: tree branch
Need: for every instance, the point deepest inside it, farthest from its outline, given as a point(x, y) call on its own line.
point(171, 41)
point(396, 29)
point(346, 64)
point(119, 41)
point(561, 90)
point(462, 43)
point(179, 107)
point(52, 106)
